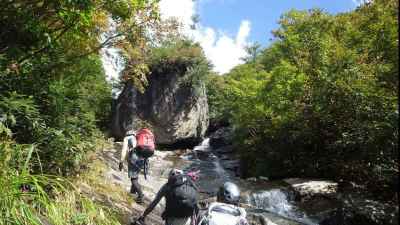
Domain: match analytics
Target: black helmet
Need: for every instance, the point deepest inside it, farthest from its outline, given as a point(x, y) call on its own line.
point(229, 193)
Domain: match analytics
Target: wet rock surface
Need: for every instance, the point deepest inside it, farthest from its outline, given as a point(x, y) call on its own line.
point(222, 137)
point(326, 204)
point(157, 177)
point(307, 188)
point(221, 144)
point(359, 210)
point(284, 202)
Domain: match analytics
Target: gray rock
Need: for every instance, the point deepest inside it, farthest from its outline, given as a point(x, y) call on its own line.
point(266, 218)
point(175, 111)
point(359, 210)
point(307, 189)
point(251, 179)
point(322, 201)
point(264, 178)
point(221, 137)
point(227, 149)
point(230, 164)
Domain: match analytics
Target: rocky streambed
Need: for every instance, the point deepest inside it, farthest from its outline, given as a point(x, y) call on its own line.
point(285, 202)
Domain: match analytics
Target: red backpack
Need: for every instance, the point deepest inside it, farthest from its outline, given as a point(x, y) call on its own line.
point(145, 145)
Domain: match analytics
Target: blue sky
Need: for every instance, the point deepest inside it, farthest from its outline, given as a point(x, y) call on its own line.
point(227, 26)
point(226, 15)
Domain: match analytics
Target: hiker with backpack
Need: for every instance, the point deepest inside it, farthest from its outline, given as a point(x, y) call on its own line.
point(226, 210)
point(181, 195)
point(137, 148)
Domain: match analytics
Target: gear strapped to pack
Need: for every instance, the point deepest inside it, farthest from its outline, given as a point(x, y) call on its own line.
point(182, 197)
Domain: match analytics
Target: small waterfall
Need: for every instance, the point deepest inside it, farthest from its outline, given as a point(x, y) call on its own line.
point(220, 170)
point(111, 58)
point(273, 201)
point(212, 174)
point(278, 202)
point(204, 146)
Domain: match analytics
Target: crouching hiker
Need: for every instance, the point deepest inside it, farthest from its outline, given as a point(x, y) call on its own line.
point(181, 195)
point(138, 147)
point(226, 210)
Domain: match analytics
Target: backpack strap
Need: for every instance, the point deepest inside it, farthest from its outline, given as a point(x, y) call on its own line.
point(191, 182)
point(130, 143)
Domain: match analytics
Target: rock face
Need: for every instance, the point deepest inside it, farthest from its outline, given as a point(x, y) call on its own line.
point(175, 111)
point(222, 137)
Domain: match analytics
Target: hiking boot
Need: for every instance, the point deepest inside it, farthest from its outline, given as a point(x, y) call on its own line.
point(133, 191)
point(140, 200)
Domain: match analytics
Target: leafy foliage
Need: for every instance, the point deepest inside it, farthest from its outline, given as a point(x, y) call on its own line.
point(182, 57)
point(54, 100)
point(53, 89)
point(321, 100)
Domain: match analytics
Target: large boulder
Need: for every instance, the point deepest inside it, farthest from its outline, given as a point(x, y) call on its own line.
point(221, 137)
point(329, 204)
point(175, 111)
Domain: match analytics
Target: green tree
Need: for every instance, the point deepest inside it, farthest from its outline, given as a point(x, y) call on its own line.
point(321, 100)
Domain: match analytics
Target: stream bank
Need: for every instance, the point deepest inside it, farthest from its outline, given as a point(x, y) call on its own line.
point(284, 202)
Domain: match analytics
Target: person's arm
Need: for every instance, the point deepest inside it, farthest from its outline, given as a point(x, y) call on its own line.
point(243, 221)
point(161, 193)
point(125, 148)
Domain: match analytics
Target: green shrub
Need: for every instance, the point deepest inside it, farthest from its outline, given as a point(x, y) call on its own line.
point(182, 57)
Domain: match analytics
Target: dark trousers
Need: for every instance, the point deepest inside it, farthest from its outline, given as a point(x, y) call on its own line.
point(135, 164)
point(135, 187)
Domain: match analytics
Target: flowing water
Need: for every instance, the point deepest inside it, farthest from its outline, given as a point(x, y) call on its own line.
point(280, 202)
point(271, 200)
point(212, 174)
point(267, 200)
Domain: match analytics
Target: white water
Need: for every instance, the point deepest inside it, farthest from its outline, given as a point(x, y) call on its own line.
point(204, 146)
point(222, 173)
point(278, 201)
point(111, 58)
point(219, 170)
point(274, 200)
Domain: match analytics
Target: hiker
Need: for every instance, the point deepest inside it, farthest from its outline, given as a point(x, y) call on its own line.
point(181, 196)
point(226, 210)
point(139, 147)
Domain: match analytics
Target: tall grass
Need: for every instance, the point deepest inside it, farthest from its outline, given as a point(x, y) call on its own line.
point(37, 199)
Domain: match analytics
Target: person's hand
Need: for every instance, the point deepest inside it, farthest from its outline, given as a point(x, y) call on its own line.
point(141, 220)
point(120, 166)
point(138, 221)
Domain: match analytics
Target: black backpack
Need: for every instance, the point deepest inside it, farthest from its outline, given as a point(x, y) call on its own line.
point(181, 200)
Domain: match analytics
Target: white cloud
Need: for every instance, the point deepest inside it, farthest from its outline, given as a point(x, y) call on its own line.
point(182, 10)
point(360, 2)
point(244, 31)
point(221, 49)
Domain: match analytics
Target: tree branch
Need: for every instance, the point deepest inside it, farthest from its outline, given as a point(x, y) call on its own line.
point(21, 61)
